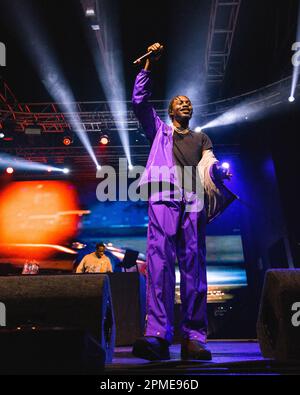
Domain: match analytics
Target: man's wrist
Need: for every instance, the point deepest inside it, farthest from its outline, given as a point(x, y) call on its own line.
point(219, 173)
point(215, 172)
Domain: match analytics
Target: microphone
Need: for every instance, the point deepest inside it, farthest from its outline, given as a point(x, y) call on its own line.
point(146, 55)
point(142, 57)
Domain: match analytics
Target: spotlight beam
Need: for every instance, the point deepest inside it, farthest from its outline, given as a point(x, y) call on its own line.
point(23, 164)
point(251, 108)
point(109, 67)
point(296, 61)
point(46, 64)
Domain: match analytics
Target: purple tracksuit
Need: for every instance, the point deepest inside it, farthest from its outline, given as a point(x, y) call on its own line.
point(173, 231)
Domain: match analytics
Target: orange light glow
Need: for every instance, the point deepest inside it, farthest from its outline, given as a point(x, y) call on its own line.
point(31, 213)
point(104, 140)
point(67, 141)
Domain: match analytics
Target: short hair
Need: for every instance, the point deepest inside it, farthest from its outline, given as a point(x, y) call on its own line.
point(171, 106)
point(100, 244)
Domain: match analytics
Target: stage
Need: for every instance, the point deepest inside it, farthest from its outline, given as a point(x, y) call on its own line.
point(147, 186)
point(230, 357)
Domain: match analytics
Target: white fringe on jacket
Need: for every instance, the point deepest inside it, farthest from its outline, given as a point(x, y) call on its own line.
point(218, 197)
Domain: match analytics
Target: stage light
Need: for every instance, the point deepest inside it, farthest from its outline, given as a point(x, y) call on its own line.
point(295, 78)
point(130, 167)
point(198, 129)
point(95, 27)
point(295, 61)
point(90, 12)
point(104, 140)
point(110, 68)
point(66, 171)
point(2, 135)
point(67, 140)
point(9, 170)
point(9, 161)
point(7, 135)
point(225, 165)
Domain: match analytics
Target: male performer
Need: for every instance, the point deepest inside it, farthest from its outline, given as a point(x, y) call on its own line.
point(96, 262)
point(177, 225)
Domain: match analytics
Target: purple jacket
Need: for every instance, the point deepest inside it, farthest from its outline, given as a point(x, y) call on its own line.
point(158, 132)
point(161, 138)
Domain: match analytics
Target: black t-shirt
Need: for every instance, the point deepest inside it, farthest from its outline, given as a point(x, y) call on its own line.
point(187, 151)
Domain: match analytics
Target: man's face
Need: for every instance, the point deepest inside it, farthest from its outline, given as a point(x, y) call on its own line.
point(182, 108)
point(100, 251)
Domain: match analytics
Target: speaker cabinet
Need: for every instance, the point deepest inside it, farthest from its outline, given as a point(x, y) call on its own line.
point(128, 295)
point(278, 325)
point(47, 351)
point(81, 301)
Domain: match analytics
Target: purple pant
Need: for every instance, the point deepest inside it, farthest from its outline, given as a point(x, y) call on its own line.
point(175, 231)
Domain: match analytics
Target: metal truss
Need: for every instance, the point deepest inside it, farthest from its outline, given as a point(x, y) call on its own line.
point(8, 103)
point(222, 25)
point(80, 163)
point(92, 116)
point(97, 117)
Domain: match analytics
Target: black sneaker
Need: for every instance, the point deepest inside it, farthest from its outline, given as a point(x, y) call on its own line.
point(151, 348)
point(194, 349)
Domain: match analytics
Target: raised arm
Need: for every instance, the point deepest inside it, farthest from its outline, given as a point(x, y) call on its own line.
point(142, 91)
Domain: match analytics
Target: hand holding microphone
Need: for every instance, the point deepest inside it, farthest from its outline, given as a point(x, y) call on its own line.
point(221, 173)
point(153, 52)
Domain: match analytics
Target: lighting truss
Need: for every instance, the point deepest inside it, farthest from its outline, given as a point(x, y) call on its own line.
point(222, 26)
point(96, 116)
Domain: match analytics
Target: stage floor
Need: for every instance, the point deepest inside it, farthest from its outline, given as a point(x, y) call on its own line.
point(229, 357)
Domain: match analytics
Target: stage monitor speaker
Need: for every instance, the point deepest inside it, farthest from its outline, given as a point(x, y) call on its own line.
point(81, 301)
point(278, 325)
point(128, 295)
